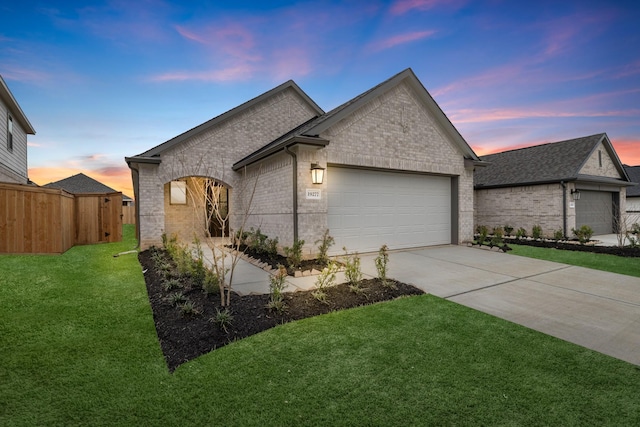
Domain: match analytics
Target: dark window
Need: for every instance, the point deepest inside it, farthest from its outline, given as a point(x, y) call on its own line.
point(600, 158)
point(9, 132)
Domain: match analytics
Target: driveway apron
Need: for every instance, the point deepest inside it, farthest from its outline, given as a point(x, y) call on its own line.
point(591, 308)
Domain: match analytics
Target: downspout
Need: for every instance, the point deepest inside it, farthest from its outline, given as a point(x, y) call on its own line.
point(135, 177)
point(294, 159)
point(564, 208)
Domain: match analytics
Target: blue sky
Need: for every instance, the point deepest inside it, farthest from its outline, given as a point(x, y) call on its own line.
point(103, 80)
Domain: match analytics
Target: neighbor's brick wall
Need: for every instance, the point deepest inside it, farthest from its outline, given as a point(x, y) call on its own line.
point(592, 165)
point(524, 207)
point(213, 152)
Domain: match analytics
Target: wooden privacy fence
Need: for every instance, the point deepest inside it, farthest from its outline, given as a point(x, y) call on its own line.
point(44, 220)
point(128, 214)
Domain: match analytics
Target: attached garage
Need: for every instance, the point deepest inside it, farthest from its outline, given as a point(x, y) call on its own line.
point(595, 209)
point(367, 209)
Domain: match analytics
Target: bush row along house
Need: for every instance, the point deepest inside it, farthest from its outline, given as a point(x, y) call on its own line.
point(396, 172)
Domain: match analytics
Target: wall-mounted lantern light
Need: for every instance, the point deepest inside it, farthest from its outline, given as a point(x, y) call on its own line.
point(317, 173)
point(575, 194)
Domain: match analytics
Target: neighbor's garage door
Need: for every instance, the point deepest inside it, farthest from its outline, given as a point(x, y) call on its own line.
point(594, 208)
point(370, 208)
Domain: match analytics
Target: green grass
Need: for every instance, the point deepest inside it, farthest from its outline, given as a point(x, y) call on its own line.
point(78, 347)
point(604, 262)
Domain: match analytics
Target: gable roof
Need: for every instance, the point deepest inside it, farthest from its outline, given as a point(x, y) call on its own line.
point(81, 184)
point(545, 163)
point(633, 172)
point(152, 155)
point(14, 107)
point(308, 133)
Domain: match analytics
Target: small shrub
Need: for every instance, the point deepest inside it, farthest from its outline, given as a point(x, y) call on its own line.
point(583, 234)
point(211, 284)
point(496, 239)
point(482, 232)
point(536, 232)
point(508, 230)
point(277, 285)
point(635, 229)
point(634, 241)
point(325, 279)
point(558, 235)
point(294, 253)
point(171, 284)
point(325, 243)
point(257, 241)
point(188, 308)
point(352, 270)
point(223, 319)
point(177, 298)
point(240, 237)
point(271, 247)
point(381, 262)
point(521, 233)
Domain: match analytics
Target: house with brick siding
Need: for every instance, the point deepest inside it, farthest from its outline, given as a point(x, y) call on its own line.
point(396, 172)
point(557, 186)
point(14, 128)
point(633, 195)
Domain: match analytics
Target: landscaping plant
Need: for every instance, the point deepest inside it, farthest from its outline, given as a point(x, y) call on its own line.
point(325, 279)
point(294, 253)
point(381, 262)
point(521, 233)
point(325, 243)
point(352, 270)
point(508, 230)
point(536, 232)
point(583, 234)
point(482, 232)
point(277, 285)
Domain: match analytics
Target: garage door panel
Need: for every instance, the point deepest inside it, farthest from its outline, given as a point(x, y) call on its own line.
point(370, 208)
point(595, 209)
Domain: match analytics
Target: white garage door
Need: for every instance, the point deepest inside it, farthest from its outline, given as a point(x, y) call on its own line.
point(370, 208)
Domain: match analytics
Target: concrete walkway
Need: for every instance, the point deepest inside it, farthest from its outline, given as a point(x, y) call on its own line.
point(591, 308)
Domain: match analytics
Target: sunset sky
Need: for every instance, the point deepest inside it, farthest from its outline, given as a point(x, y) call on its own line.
point(103, 80)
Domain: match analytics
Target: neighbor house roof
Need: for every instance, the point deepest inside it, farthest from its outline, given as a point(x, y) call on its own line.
point(152, 155)
point(14, 107)
point(308, 133)
point(633, 172)
point(546, 163)
point(80, 184)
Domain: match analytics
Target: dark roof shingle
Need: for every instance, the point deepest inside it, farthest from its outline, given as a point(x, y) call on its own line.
point(633, 172)
point(552, 162)
point(80, 184)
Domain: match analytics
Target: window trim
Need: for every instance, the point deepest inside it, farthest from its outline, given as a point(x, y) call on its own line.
point(9, 132)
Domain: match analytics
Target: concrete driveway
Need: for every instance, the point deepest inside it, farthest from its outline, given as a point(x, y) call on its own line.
point(591, 308)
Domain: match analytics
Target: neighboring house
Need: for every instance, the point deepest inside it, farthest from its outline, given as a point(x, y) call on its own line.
point(397, 172)
point(633, 195)
point(126, 200)
point(558, 186)
point(81, 184)
point(14, 128)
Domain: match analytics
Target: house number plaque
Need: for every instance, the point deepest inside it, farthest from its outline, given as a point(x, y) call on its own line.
point(314, 194)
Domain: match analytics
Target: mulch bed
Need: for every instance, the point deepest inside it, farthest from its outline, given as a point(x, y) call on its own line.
point(575, 246)
point(185, 337)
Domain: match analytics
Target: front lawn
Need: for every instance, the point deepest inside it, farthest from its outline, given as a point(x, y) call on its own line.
point(78, 347)
point(612, 263)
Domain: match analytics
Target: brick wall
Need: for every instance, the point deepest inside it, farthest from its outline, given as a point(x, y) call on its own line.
point(600, 164)
point(524, 207)
point(212, 152)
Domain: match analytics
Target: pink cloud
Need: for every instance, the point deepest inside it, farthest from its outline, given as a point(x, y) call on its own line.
point(400, 39)
point(237, 73)
point(494, 115)
point(400, 7)
point(628, 150)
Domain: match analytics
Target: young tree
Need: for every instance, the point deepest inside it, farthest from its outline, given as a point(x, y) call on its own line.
point(209, 200)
